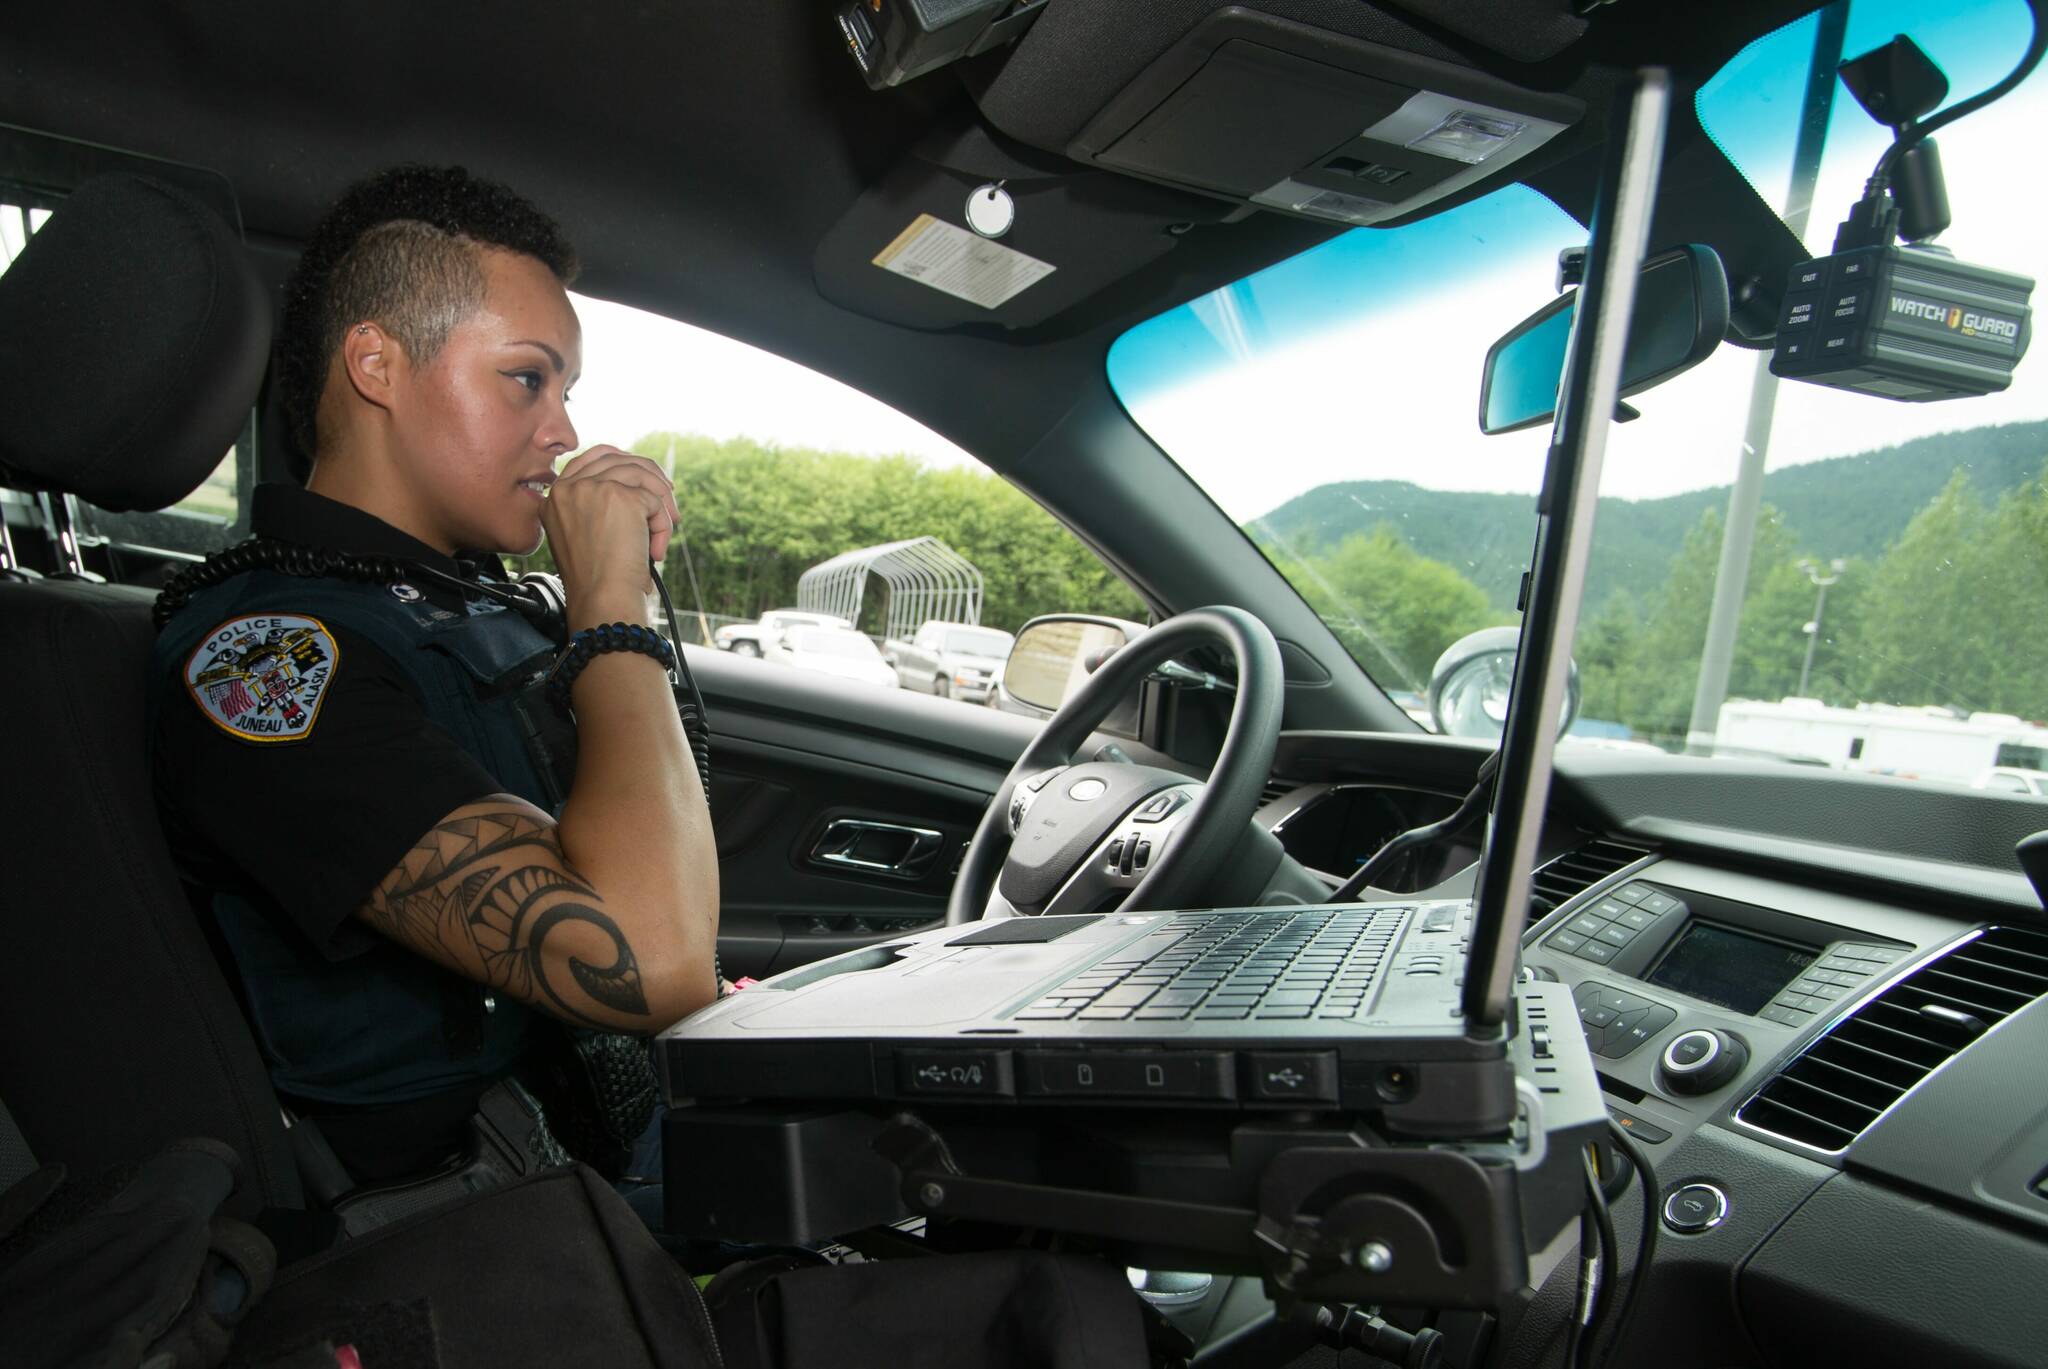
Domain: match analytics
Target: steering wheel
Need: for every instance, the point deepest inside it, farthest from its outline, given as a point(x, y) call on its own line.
point(1061, 837)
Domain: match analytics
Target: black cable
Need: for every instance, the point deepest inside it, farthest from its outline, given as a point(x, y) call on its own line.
point(1468, 808)
point(1610, 1248)
point(289, 558)
point(1906, 138)
point(1646, 1248)
point(1575, 1322)
point(696, 722)
point(696, 730)
point(1597, 1254)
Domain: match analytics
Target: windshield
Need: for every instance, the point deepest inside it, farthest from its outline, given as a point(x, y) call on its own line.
point(1899, 561)
point(823, 641)
point(993, 645)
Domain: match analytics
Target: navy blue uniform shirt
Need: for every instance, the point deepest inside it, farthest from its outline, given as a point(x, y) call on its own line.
point(288, 833)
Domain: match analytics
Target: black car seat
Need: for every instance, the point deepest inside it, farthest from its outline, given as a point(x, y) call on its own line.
point(133, 337)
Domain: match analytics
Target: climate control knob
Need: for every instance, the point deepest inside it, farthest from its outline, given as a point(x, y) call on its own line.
point(1702, 1060)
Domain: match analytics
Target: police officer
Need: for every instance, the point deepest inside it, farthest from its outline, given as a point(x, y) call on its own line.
point(344, 755)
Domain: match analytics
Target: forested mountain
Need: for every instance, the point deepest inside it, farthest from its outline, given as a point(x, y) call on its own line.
point(1847, 506)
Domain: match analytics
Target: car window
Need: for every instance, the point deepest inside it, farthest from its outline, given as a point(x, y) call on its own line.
point(819, 641)
point(779, 469)
point(210, 518)
point(995, 644)
point(1887, 621)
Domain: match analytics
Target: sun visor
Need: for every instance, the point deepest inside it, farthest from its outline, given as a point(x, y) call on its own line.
point(1316, 124)
point(904, 252)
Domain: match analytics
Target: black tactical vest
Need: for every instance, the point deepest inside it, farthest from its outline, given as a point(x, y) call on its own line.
point(385, 1025)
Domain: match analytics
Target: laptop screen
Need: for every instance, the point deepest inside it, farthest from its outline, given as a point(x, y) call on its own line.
point(1587, 396)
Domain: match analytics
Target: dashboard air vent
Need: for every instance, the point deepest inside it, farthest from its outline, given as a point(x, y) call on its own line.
point(1835, 1088)
point(1578, 870)
point(1275, 788)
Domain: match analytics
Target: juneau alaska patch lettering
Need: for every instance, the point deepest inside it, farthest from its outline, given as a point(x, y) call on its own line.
point(262, 678)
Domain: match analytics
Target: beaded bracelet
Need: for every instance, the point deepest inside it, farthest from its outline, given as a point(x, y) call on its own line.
point(592, 642)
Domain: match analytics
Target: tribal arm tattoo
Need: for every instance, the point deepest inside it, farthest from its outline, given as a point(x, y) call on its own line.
point(485, 890)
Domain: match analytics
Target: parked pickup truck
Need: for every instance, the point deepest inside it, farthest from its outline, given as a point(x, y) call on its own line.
point(748, 639)
point(951, 660)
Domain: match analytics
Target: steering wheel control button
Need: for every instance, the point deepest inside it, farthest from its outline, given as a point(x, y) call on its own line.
point(1160, 806)
point(1087, 790)
point(1694, 1208)
point(1124, 1075)
point(982, 1074)
point(1291, 1076)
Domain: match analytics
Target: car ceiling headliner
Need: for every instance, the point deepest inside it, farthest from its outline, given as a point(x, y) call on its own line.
point(695, 153)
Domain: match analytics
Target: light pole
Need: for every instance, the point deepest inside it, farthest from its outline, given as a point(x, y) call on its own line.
point(1821, 583)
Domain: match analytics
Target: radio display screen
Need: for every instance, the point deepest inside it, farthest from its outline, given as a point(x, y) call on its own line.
point(1732, 969)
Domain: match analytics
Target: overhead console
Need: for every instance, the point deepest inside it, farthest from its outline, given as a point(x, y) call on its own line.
point(1305, 121)
point(1109, 133)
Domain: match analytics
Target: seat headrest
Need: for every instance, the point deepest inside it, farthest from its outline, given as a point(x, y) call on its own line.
point(133, 337)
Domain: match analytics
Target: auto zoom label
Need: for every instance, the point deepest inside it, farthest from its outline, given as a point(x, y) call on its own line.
point(262, 678)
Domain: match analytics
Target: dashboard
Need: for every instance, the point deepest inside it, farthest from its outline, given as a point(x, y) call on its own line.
point(1820, 1004)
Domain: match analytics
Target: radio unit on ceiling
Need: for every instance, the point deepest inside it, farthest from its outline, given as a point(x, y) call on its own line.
point(893, 41)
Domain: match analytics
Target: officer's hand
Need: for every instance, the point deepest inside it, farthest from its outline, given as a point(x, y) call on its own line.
point(607, 514)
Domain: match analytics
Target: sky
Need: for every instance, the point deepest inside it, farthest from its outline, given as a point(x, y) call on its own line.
point(643, 373)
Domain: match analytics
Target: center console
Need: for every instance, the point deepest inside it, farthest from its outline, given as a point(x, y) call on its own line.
point(1689, 980)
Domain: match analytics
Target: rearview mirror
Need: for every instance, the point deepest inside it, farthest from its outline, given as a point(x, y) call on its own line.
point(1053, 655)
point(1680, 316)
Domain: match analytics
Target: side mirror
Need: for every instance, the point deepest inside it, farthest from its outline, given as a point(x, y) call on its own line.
point(1680, 316)
point(1468, 689)
point(1054, 654)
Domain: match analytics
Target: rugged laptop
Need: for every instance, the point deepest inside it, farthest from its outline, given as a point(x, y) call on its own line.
point(1338, 1007)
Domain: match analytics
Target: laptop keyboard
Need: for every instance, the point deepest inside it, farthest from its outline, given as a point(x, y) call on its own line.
point(1231, 966)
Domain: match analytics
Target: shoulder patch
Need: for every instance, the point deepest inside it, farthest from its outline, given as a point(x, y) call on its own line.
point(263, 677)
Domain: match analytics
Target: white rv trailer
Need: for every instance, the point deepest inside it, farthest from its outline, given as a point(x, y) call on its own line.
point(1915, 743)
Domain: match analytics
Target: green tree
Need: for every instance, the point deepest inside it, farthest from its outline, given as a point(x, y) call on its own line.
point(1394, 608)
point(1604, 651)
point(1643, 672)
point(755, 517)
point(1922, 639)
point(2013, 590)
point(1955, 605)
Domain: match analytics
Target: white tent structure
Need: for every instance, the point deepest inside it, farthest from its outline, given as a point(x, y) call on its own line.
point(926, 579)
